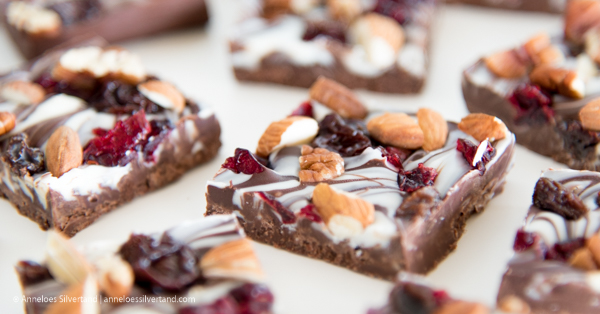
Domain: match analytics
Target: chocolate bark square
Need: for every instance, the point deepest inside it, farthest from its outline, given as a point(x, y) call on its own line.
point(37, 27)
point(382, 46)
point(87, 129)
point(355, 196)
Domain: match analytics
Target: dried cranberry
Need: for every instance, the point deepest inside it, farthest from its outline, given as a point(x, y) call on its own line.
point(71, 12)
point(580, 142)
point(287, 216)
point(524, 240)
point(161, 263)
point(411, 298)
point(345, 137)
point(533, 104)
point(22, 158)
point(552, 196)
point(225, 305)
point(243, 161)
point(310, 212)
point(410, 181)
point(563, 251)
point(118, 97)
point(253, 299)
point(305, 109)
point(31, 273)
point(46, 81)
point(117, 146)
point(469, 150)
point(330, 29)
point(395, 156)
point(399, 10)
point(441, 297)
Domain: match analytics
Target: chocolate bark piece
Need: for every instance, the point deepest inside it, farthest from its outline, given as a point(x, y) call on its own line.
point(388, 234)
point(413, 294)
point(543, 119)
point(229, 277)
point(294, 47)
point(119, 165)
point(550, 6)
point(543, 276)
point(113, 20)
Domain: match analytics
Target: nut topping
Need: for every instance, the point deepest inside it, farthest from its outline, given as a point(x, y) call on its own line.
point(592, 45)
point(581, 16)
point(462, 307)
point(78, 299)
point(33, 18)
point(541, 51)
point(506, 64)
point(63, 151)
point(514, 304)
point(7, 122)
point(338, 98)
point(396, 129)
point(434, 127)
point(319, 164)
point(344, 10)
point(588, 257)
point(115, 276)
point(381, 37)
point(23, 93)
point(290, 131)
point(64, 262)
point(482, 126)
point(566, 82)
point(331, 203)
point(163, 94)
point(590, 115)
point(234, 259)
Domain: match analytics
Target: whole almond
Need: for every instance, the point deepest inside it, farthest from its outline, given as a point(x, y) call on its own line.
point(22, 92)
point(462, 307)
point(163, 94)
point(7, 122)
point(506, 64)
point(514, 304)
point(331, 202)
point(63, 151)
point(564, 81)
point(396, 129)
point(344, 10)
point(77, 299)
point(338, 98)
point(589, 115)
point(482, 126)
point(115, 276)
point(581, 16)
point(434, 127)
point(233, 259)
point(593, 244)
point(536, 44)
point(583, 259)
point(64, 261)
point(290, 131)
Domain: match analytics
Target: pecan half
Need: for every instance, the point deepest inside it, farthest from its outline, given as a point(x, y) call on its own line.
point(552, 196)
point(319, 164)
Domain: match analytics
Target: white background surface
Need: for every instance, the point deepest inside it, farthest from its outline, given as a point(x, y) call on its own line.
point(197, 62)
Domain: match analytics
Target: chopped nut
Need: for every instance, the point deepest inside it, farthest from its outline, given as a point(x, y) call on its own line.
point(23, 93)
point(514, 304)
point(338, 98)
point(33, 18)
point(319, 164)
point(506, 64)
point(434, 127)
point(396, 129)
point(344, 10)
point(163, 94)
point(78, 299)
point(63, 151)
point(64, 262)
point(331, 202)
point(589, 115)
point(7, 122)
point(482, 126)
point(115, 276)
point(566, 82)
point(234, 259)
point(381, 37)
point(462, 307)
point(290, 131)
point(583, 259)
point(581, 16)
